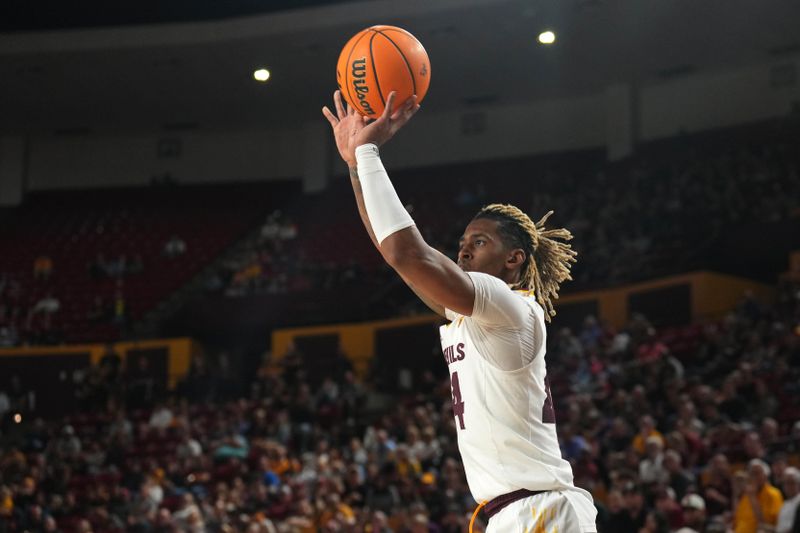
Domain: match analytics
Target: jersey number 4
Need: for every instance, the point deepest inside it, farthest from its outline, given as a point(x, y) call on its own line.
point(458, 403)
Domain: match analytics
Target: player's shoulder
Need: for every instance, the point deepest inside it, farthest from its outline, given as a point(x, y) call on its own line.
point(485, 281)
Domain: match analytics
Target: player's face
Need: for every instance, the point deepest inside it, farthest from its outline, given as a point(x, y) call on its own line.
point(481, 249)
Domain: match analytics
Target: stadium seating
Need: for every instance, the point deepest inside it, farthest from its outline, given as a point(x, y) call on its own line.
point(74, 229)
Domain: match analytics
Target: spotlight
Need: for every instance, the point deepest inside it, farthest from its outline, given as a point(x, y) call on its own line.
point(547, 37)
point(261, 75)
point(17, 418)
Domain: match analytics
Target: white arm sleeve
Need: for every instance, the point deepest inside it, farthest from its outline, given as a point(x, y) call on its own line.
point(385, 211)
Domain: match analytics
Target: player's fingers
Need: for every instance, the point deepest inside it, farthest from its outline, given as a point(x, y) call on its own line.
point(332, 119)
point(387, 110)
point(407, 114)
point(337, 100)
point(405, 108)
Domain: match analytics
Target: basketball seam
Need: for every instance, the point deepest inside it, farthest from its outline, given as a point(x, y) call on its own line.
point(408, 65)
point(348, 69)
point(374, 70)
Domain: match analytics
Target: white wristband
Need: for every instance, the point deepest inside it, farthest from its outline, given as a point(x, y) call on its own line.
point(384, 209)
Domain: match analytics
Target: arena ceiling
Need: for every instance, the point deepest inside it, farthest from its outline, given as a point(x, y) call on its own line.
point(27, 15)
point(106, 70)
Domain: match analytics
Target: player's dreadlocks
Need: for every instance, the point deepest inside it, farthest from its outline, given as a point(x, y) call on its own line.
point(547, 260)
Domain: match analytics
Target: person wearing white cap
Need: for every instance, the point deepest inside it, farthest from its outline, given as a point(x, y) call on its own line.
point(788, 518)
point(694, 514)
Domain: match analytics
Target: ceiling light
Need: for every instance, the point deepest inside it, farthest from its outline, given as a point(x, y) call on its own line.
point(547, 37)
point(261, 75)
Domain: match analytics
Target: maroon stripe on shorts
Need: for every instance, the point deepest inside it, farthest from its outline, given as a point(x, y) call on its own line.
point(498, 504)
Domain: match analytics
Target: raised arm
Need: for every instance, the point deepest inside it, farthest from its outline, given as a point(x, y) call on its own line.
point(362, 211)
point(436, 279)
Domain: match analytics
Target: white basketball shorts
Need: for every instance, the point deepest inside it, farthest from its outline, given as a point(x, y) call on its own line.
point(549, 512)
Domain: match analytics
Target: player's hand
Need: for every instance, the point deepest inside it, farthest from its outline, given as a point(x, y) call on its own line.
point(384, 127)
point(346, 124)
point(350, 129)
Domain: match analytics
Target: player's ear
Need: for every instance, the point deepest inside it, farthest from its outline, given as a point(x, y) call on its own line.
point(515, 258)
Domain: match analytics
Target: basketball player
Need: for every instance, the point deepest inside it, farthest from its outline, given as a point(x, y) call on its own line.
point(497, 297)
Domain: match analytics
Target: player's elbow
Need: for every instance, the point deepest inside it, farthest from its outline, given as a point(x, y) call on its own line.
point(398, 255)
point(402, 249)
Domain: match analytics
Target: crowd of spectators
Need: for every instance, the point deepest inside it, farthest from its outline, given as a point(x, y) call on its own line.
point(274, 262)
point(654, 214)
point(704, 439)
point(29, 311)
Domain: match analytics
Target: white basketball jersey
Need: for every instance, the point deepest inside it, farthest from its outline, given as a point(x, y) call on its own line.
point(501, 400)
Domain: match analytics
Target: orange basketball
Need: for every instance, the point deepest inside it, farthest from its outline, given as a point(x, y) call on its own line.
point(377, 61)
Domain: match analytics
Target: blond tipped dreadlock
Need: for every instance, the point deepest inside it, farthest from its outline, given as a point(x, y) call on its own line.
point(547, 260)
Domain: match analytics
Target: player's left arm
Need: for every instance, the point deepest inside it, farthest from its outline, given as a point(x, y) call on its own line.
point(436, 307)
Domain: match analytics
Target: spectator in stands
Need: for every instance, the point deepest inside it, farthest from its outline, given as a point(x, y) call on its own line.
point(189, 516)
point(647, 429)
point(655, 522)
point(189, 448)
point(174, 247)
point(8, 336)
point(161, 418)
point(760, 502)
point(694, 513)
point(271, 228)
point(651, 468)
point(680, 479)
point(789, 515)
point(121, 430)
point(47, 306)
point(42, 268)
point(632, 515)
point(288, 231)
point(67, 446)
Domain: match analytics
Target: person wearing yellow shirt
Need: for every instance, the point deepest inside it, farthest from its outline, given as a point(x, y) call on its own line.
point(406, 464)
point(647, 429)
point(337, 511)
point(760, 503)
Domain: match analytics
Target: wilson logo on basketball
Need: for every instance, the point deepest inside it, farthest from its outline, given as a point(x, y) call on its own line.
point(359, 72)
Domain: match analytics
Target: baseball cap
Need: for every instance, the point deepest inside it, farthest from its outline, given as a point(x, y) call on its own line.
point(694, 501)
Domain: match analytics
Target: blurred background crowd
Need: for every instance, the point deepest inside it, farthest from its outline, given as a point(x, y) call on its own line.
point(705, 439)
